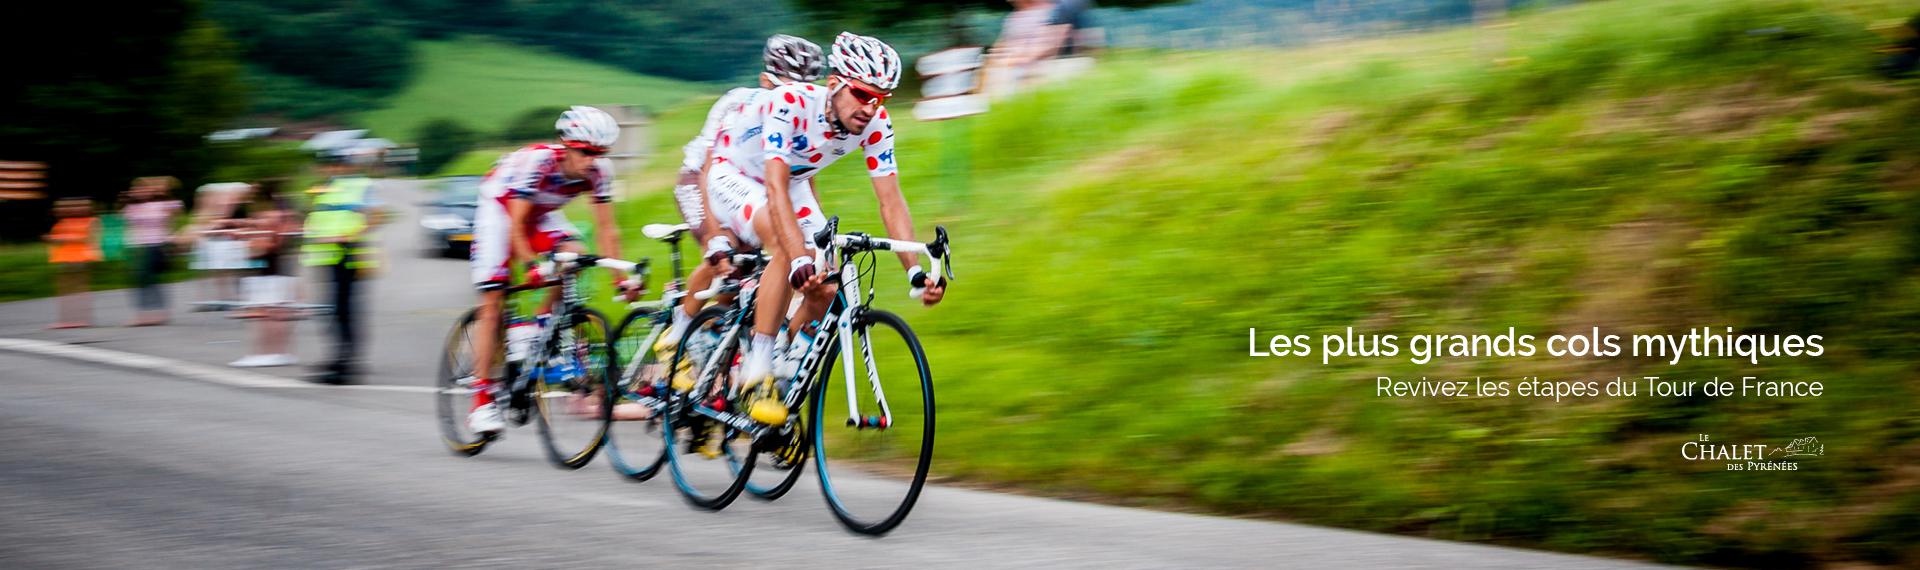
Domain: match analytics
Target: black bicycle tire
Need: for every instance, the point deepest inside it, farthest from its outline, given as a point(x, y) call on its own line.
point(449, 418)
point(817, 407)
point(693, 496)
point(615, 459)
point(581, 458)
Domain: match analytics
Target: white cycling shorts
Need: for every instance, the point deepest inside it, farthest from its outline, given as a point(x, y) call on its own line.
point(737, 198)
point(490, 249)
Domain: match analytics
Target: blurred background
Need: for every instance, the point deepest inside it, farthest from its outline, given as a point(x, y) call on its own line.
point(1125, 208)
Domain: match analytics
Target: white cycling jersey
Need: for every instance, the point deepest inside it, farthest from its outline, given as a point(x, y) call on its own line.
point(790, 123)
point(696, 149)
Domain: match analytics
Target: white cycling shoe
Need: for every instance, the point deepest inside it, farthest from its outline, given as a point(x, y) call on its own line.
point(787, 364)
point(486, 420)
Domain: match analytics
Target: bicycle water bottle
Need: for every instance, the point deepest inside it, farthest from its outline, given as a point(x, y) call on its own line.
point(521, 334)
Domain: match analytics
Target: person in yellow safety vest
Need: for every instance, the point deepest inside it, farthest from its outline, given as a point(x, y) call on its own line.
point(336, 238)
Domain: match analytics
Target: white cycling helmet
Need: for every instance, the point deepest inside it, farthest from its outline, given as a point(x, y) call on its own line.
point(794, 59)
point(589, 126)
point(866, 59)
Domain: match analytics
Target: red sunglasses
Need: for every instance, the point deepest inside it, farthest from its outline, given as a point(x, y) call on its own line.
point(865, 97)
point(586, 149)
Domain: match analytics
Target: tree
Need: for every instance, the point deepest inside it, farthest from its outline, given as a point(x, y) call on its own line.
point(136, 100)
point(442, 140)
point(534, 125)
point(893, 14)
point(351, 44)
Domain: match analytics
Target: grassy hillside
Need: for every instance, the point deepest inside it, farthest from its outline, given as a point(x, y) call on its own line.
point(485, 83)
point(1638, 165)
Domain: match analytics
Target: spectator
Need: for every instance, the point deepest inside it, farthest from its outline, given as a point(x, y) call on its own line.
point(339, 242)
point(270, 290)
point(73, 244)
point(149, 217)
point(216, 215)
point(1070, 30)
point(1023, 43)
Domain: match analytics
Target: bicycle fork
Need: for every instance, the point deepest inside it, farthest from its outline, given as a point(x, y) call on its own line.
point(850, 285)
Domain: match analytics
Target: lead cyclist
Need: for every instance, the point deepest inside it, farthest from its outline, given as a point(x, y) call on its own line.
point(760, 185)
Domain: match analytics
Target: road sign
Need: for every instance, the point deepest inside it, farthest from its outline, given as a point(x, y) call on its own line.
point(951, 88)
point(22, 180)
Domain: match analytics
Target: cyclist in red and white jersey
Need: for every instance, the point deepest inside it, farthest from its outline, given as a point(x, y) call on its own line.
point(518, 218)
point(760, 184)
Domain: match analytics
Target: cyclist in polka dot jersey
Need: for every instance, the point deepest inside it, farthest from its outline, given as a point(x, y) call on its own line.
point(760, 184)
point(789, 123)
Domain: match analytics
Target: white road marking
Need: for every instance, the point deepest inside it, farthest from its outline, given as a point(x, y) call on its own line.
point(180, 368)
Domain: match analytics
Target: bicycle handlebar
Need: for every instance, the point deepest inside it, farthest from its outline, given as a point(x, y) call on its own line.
point(937, 249)
point(568, 257)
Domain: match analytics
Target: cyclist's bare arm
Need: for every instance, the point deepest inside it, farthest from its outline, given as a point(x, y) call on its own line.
point(518, 213)
point(894, 215)
point(607, 233)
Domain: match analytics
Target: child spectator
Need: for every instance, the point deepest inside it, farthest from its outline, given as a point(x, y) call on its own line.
point(73, 244)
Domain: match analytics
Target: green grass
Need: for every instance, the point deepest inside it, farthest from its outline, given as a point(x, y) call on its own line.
point(486, 83)
point(1638, 165)
point(32, 277)
point(473, 162)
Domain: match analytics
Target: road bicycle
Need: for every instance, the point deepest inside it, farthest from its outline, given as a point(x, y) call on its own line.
point(633, 442)
point(561, 375)
point(892, 445)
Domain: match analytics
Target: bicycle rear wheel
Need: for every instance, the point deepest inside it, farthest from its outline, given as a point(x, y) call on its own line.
point(714, 479)
point(572, 389)
point(634, 446)
point(891, 452)
point(455, 395)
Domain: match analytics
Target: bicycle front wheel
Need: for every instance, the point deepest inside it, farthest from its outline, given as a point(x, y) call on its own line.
point(873, 430)
point(634, 446)
point(710, 461)
point(573, 389)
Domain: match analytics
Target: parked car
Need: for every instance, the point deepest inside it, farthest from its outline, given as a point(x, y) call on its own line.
point(448, 217)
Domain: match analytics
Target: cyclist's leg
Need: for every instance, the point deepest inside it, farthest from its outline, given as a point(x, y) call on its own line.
point(486, 342)
point(813, 305)
point(770, 304)
point(488, 256)
point(734, 196)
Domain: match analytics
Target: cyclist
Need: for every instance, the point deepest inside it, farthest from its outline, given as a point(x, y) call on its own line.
point(760, 184)
point(518, 217)
point(788, 60)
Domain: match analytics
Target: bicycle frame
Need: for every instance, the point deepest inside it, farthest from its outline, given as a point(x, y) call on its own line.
point(569, 305)
point(836, 326)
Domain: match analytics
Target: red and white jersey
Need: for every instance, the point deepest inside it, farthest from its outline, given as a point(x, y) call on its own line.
point(733, 102)
point(533, 174)
point(789, 122)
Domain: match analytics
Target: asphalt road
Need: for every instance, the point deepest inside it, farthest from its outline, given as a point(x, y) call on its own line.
point(110, 461)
